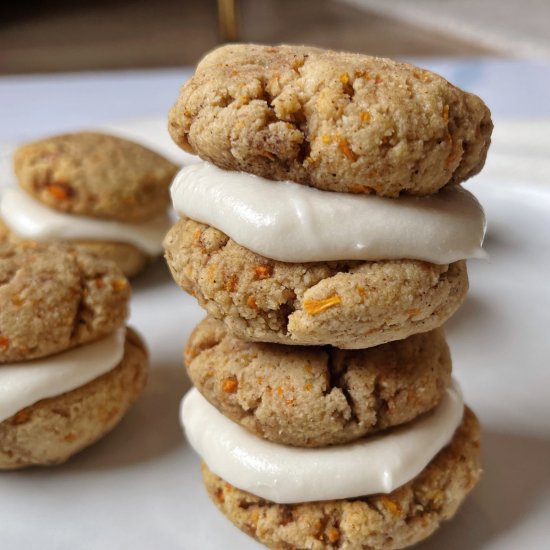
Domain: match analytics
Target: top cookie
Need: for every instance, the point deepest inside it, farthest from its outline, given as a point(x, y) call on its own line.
point(55, 297)
point(95, 174)
point(335, 121)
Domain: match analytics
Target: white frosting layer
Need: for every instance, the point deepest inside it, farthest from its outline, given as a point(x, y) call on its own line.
point(284, 474)
point(30, 219)
point(23, 384)
point(294, 223)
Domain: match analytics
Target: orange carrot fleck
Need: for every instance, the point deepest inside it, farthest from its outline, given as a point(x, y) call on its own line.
point(365, 116)
point(230, 385)
point(362, 74)
point(314, 307)
point(251, 302)
point(326, 139)
point(4, 342)
point(231, 283)
point(58, 192)
point(345, 148)
point(118, 284)
point(16, 300)
point(445, 113)
point(333, 534)
point(344, 78)
point(21, 417)
point(392, 507)
point(263, 271)
point(191, 352)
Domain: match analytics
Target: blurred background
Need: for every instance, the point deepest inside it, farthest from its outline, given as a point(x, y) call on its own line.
point(69, 35)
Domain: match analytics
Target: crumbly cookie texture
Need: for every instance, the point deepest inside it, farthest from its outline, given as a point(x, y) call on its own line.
point(54, 297)
point(351, 304)
point(129, 259)
point(54, 429)
point(378, 522)
point(317, 396)
point(96, 175)
point(332, 120)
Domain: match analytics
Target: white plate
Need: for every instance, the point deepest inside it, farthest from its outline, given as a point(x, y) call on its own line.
point(140, 487)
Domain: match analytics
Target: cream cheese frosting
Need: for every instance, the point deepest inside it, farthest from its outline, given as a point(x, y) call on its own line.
point(23, 384)
point(288, 475)
point(30, 219)
point(294, 223)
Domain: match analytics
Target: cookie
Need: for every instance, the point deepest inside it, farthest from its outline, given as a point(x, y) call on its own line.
point(315, 396)
point(129, 259)
point(52, 430)
point(378, 522)
point(336, 121)
point(351, 304)
point(5, 233)
point(96, 175)
point(54, 297)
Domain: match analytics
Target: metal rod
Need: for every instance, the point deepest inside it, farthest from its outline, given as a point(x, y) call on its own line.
point(227, 20)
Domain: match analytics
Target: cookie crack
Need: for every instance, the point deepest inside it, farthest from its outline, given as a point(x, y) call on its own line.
point(337, 380)
point(81, 307)
point(381, 403)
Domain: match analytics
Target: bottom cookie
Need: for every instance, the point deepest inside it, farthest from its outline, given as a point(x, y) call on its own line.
point(52, 430)
point(377, 522)
point(127, 257)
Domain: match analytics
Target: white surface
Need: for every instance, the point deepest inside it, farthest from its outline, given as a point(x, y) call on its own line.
point(140, 487)
point(377, 464)
point(514, 28)
point(31, 219)
point(261, 214)
point(22, 384)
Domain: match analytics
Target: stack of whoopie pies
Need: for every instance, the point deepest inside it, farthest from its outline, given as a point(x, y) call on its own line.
point(102, 193)
point(325, 234)
point(69, 367)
